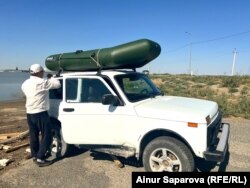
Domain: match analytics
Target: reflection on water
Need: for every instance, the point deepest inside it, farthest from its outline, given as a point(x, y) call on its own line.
point(10, 85)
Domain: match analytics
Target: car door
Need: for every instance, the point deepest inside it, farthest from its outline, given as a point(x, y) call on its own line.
point(84, 119)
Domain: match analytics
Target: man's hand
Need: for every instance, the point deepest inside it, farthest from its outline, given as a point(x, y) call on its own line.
point(49, 76)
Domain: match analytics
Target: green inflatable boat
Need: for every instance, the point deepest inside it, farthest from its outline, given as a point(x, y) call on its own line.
point(126, 56)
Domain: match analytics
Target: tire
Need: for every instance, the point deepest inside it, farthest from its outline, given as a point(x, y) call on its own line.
point(167, 154)
point(59, 148)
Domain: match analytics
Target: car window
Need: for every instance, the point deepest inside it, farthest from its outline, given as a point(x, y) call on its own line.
point(56, 93)
point(85, 90)
point(137, 87)
point(71, 90)
point(93, 90)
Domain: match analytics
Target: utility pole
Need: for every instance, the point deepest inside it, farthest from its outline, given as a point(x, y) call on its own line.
point(190, 54)
point(234, 59)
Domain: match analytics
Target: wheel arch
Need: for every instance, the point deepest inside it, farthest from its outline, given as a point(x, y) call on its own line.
point(62, 148)
point(157, 133)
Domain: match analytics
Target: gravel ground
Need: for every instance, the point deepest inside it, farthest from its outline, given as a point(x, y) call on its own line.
point(88, 169)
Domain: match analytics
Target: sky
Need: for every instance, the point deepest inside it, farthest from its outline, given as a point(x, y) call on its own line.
point(208, 31)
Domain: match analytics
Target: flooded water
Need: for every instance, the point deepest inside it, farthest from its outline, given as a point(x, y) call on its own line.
point(10, 85)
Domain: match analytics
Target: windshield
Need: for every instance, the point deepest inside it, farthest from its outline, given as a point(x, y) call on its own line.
point(137, 86)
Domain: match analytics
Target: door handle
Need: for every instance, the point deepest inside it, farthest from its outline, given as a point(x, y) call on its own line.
point(68, 109)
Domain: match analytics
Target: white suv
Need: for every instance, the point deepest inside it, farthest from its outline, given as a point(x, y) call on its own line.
point(124, 114)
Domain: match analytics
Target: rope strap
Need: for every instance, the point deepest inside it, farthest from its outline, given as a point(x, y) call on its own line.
point(59, 61)
point(97, 59)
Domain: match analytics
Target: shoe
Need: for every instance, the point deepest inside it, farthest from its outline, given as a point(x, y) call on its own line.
point(47, 155)
point(34, 159)
point(42, 163)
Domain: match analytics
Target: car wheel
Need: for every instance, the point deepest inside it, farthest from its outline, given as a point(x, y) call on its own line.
point(167, 154)
point(59, 148)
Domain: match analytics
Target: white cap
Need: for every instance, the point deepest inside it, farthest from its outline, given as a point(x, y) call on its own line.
point(35, 68)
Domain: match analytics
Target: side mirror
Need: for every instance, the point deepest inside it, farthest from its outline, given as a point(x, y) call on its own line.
point(110, 99)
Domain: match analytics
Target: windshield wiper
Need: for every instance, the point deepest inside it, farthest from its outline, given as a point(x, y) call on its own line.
point(153, 95)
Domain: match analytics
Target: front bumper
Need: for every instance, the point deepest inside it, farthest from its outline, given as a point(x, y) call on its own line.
point(218, 154)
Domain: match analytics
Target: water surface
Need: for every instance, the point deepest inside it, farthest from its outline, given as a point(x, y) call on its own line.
point(10, 85)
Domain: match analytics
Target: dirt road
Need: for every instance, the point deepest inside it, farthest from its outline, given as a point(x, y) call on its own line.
point(87, 169)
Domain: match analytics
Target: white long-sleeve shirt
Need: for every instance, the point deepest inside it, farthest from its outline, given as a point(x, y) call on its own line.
point(36, 91)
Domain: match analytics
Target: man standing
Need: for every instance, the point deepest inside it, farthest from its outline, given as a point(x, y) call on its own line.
point(36, 90)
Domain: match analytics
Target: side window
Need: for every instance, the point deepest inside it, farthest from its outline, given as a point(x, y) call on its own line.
point(56, 93)
point(93, 90)
point(71, 89)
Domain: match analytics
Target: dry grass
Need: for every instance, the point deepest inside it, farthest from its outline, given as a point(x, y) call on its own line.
point(232, 93)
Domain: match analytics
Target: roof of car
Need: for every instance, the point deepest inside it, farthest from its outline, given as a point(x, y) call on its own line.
point(103, 72)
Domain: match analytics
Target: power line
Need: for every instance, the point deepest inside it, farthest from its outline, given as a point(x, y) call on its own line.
point(209, 40)
point(222, 38)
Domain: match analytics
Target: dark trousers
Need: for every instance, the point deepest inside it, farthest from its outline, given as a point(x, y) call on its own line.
point(39, 122)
